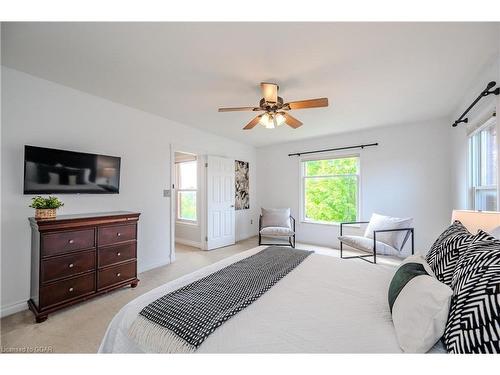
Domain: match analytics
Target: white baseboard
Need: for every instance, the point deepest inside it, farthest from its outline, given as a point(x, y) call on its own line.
point(188, 242)
point(13, 308)
point(150, 266)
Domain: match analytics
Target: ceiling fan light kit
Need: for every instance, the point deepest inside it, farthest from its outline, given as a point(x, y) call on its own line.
point(274, 108)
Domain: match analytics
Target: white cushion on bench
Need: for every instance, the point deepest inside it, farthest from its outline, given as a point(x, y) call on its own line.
point(366, 244)
point(394, 239)
point(276, 231)
point(276, 217)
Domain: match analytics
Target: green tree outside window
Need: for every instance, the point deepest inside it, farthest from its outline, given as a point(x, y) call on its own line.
point(331, 189)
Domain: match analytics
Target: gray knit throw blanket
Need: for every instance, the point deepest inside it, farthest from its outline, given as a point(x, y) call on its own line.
point(180, 321)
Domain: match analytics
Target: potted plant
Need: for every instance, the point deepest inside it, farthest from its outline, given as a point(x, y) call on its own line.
point(45, 208)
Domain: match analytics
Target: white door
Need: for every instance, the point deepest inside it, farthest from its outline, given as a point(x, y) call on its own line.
point(220, 202)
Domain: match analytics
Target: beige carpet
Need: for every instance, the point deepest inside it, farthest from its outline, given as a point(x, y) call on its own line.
point(79, 329)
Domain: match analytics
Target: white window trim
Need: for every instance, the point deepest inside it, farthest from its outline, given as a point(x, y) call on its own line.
point(339, 155)
point(178, 190)
point(471, 201)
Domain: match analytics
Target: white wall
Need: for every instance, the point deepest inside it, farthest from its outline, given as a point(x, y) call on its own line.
point(406, 175)
point(42, 113)
point(458, 135)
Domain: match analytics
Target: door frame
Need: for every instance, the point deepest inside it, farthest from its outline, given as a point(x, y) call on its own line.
point(201, 155)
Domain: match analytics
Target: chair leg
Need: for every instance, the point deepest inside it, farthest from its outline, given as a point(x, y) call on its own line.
point(412, 243)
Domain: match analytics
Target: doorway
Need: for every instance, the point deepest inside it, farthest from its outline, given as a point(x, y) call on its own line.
point(202, 204)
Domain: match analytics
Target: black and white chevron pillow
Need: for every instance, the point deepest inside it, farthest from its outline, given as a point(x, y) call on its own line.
point(445, 252)
point(474, 322)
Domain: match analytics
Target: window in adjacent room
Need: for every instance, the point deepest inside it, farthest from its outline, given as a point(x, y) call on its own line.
point(187, 190)
point(483, 167)
point(330, 190)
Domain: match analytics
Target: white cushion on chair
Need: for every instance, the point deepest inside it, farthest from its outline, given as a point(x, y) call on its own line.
point(276, 231)
point(276, 217)
point(393, 239)
point(366, 244)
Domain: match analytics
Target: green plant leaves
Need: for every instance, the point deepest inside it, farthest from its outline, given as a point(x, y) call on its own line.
point(41, 203)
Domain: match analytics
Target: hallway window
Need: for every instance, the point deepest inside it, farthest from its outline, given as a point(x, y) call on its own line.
point(483, 167)
point(187, 190)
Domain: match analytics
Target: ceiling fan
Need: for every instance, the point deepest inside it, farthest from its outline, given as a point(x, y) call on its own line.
point(274, 108)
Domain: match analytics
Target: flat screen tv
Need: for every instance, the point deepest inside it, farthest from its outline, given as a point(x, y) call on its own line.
point(51, 171)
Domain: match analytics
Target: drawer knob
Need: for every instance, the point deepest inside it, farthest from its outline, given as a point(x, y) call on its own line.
point(71, 265)
point(71, 241)
point(71, 289)
point(118, 274)
point(118, 234)
point(118, 254)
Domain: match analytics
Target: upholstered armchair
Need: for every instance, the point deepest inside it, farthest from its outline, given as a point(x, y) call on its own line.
point(277, 223)
point(384, 234)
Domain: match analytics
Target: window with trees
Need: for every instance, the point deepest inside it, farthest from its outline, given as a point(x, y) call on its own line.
point(187, 190)
point(330, 190)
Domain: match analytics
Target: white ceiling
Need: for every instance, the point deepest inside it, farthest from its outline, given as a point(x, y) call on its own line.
point(374, 74)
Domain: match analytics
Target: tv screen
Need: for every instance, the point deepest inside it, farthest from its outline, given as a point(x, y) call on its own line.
point(51, 171)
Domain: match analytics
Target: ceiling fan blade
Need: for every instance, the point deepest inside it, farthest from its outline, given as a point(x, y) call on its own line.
point(269, 92)
point(234, 109)
point(310, 103)
point(291, 121)
point(252, 123)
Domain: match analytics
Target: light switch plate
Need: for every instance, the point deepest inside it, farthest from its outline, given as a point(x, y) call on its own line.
point(167, 193)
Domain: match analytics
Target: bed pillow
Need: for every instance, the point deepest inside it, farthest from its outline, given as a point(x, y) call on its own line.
point(393, 239)
point(445, 252)
point(495, 232)
point(276, 217)
point(419, 305)
point(474, 321)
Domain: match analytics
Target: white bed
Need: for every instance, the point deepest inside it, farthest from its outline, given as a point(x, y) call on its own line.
point(325, 305)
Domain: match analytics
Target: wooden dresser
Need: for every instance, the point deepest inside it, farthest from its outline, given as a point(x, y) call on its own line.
point(76, 257)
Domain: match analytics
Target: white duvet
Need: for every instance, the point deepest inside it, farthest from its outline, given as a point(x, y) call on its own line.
point(325, 305)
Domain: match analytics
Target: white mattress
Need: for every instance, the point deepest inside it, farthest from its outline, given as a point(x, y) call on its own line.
point(325, 305)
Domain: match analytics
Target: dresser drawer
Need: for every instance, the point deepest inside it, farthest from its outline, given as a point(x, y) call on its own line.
point(116, 233)
point(67, 290)
point(63, 242)
point(67, 265)
point(116, 254)
point(114, 275)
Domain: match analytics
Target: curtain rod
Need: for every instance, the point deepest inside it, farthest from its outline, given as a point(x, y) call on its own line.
point(484, 93)
point(334, 149)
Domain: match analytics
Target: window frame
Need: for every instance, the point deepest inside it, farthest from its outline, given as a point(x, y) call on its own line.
point(178, 192)
point(473, 178)
point(302, 178)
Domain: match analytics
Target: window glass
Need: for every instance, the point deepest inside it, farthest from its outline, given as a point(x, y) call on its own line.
point(187, 190)
point(331, 190)
point(483, 169)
